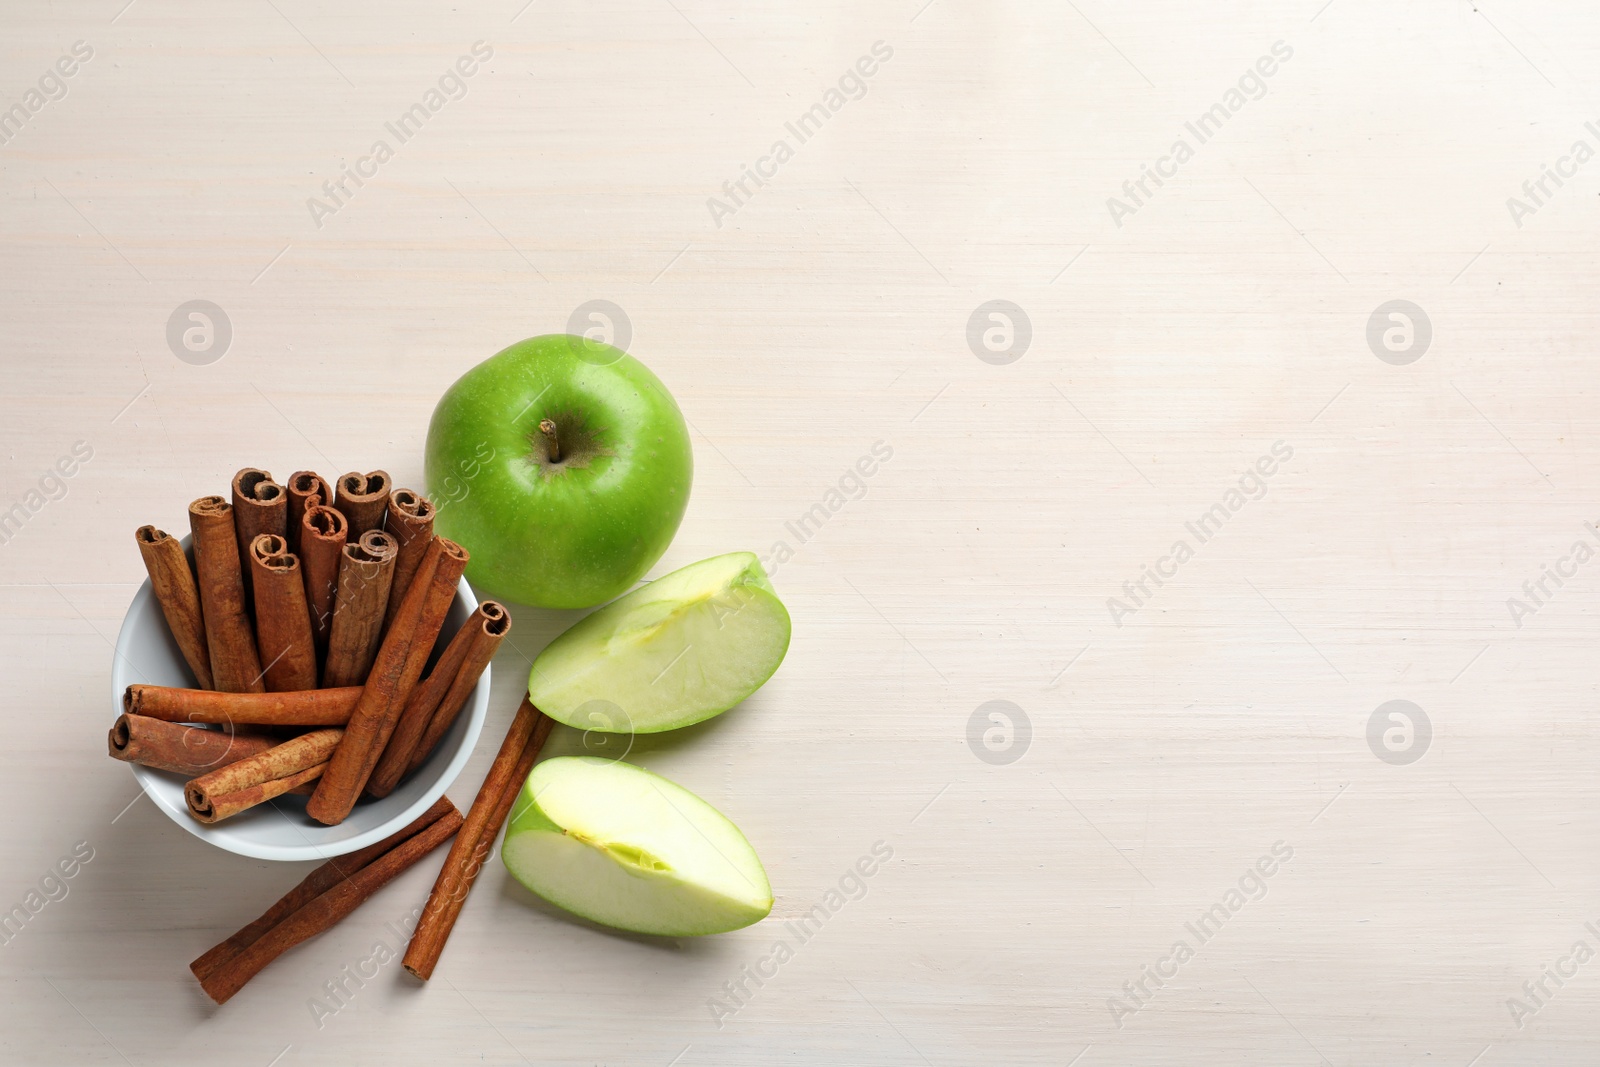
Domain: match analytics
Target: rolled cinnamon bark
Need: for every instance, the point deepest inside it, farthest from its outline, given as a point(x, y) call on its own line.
point(235, 668)
point(309, 707)
point(418, 710)
point(486, 640)
point(260, 506)
point(472, 845)
point(366, 571)
point(306, 490)
point(283, 624)
point(410, 519)
point(211, 808)
point(363, 498)
point(404, 752)
point(323, 533)
point(223, 973)
point(242, 785)
point(442, 589)
point(394, 674)
point(172, 582)
point(313, 886)
point(187, 750)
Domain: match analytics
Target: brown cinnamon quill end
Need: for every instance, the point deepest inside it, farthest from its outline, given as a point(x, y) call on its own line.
point(252, 483)
point(306, 482)
point(412, 504)
point(325, 520)
point(118, 737)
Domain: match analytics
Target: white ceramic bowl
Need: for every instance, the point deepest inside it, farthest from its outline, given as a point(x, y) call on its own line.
point(280, 829)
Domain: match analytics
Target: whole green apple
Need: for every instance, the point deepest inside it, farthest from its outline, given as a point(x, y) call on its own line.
point(563, 465)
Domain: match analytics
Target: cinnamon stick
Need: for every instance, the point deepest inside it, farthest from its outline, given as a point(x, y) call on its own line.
point(366, 571)
point(187, 750)
point(306, 490)
point(283, 625)
point(223, 975)
point(308, 707)
point(323, 533)
point(426, 699)
point(419, 709)
point(213, 808)
point(241, 785)
point(395, 671)
point(485, 643)
point(363, 498)
point(260, 506)
point(172, 582)
point(312, 886)
point(410, 519)
point(235, 667)
point(442, 588)
point(472, 845)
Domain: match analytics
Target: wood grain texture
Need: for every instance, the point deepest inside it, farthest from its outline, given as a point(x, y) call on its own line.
point(1165, 755)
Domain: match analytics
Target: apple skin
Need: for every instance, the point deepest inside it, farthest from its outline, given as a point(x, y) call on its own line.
point(625, 847)
point(580, 530)
point(685, 647)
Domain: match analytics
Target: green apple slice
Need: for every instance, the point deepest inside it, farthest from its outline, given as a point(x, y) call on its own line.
point(624, 847)
point(685, 647)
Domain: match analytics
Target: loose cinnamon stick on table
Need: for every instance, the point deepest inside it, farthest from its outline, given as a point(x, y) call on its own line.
point(283, 624)
point(306, 489)
point(309, 707)
point(459, 667)
point(366, 571)
point(187, 750)
point(394, 674)
point(410, 519)
point(239, 786)
point(323, 533)
point(363, 498)
point(310, 888)
point(309, 909)
point(472, 845)
point(313, 886)
point(235, 667)
point(172, 582)
point(260, 506)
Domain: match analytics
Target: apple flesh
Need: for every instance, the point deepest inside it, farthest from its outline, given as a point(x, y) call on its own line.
point(687, 646)
point(563, 465)
point(627, 848)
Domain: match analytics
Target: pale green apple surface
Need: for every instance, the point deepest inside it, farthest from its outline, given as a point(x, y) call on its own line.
point(687, 646)
point(624, 847)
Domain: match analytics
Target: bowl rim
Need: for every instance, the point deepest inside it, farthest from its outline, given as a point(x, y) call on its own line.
point(475, 712)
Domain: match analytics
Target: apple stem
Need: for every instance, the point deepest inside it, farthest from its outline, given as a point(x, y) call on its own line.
point(548, 428)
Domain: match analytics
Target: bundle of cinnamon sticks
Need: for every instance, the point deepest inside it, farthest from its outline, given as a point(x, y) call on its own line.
point(306, 608)
point(308, 618)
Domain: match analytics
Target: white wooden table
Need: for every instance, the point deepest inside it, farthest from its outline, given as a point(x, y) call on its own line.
point(1166, 743)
